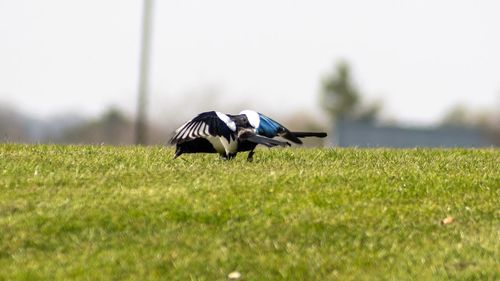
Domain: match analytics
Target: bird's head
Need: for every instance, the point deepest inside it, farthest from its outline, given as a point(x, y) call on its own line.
point(241, 121)
point(253, 118)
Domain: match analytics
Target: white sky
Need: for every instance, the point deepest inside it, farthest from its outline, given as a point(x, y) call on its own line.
point(418, 57)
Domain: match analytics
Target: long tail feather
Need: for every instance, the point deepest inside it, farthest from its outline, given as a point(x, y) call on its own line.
point(309, 134)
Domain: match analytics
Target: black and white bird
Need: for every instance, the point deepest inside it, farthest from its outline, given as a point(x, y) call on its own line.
point(216, 132)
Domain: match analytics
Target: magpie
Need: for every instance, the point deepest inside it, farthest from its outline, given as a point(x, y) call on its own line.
point(265, 126)
point(216, 132)
point(226, 134)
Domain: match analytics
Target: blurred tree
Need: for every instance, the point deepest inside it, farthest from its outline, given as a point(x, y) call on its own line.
point(13, 126)
point(112, 128)
point(458, 115)
point(339, 95)
point(341, 99)
point(461, 115)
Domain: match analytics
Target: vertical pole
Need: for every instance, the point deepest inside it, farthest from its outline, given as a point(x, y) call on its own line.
point(141, 118)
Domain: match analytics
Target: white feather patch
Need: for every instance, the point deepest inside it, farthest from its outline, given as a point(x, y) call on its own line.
point(192, 133)
point(230, 123)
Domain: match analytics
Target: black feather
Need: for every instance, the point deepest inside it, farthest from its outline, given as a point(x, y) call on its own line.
point(309, 134)
point(250, 136)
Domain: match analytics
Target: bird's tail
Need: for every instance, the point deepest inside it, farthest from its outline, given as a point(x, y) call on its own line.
point(309, 134)
point(294, 136)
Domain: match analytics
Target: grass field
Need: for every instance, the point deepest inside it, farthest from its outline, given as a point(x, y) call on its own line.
point(132, 213)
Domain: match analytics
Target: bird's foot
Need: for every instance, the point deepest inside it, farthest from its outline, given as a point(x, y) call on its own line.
point(227, 156)
point(250, 156)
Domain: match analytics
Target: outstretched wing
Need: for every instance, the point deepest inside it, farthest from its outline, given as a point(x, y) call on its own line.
point(206, 124)
point(249, 135)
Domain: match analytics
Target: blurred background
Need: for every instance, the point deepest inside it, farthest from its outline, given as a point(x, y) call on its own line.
point(372, 73)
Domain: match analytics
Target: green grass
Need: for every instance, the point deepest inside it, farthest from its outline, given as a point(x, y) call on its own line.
point(132, 213)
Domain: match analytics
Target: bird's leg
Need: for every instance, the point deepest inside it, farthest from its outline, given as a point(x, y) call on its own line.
point(228, 156)
point(250, 156)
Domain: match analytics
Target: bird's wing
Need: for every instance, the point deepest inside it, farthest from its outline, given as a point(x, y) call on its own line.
point(249, 135)
point(211, 123)
point(270, 128)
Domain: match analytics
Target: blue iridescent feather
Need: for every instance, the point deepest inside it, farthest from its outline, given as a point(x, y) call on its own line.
point(268, 127)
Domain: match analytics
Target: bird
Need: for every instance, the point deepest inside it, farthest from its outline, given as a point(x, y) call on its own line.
point(265, 126)
point(226, 134)
point(216, 132)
